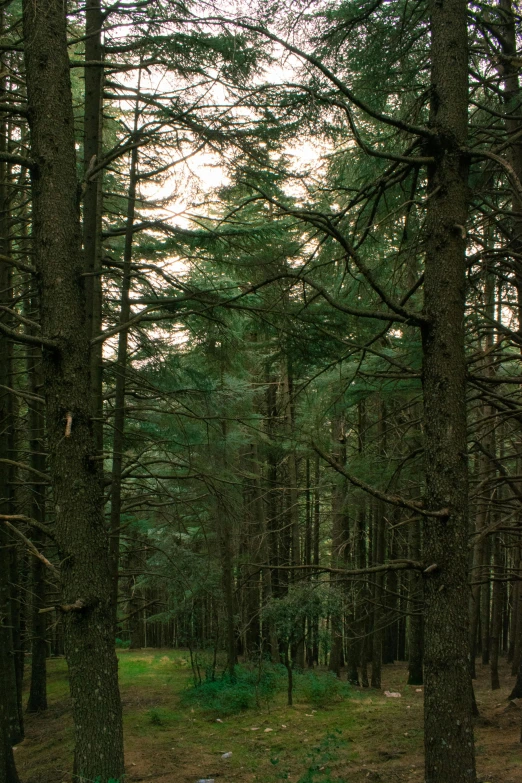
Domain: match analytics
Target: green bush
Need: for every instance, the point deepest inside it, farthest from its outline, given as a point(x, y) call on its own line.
point(121, 645)
point(321, 689)
point(155, 717)
point(227, 695)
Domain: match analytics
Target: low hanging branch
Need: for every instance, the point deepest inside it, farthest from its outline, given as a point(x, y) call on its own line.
point(27, 339)
point(7, 518)
point(393, 565)
point(32, 549)
point(394, 500)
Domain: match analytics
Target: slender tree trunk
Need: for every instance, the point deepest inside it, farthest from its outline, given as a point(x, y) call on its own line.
point(377, 594)
point(118, 444)
point(378, 545)
point(415, 620)
point(338, 544)
point(75, 472)
point(37, 701)
point(496, 613)
point(8, 680)
point(516, 618)
point(485, 602)
point(227, 570)
point(8, 772)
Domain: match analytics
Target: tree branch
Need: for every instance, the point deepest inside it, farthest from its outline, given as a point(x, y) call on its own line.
point(31, 547)
point(394, 500)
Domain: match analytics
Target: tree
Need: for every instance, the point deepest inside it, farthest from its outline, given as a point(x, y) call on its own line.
point(75, 473)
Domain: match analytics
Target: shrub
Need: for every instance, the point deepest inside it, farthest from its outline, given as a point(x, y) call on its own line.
point(155, 717)
point(322, 689)
point(227, 695)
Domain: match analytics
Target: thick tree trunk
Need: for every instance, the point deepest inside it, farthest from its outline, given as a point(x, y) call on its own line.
point(449, 743)
point(75, 473)
point(92, 202)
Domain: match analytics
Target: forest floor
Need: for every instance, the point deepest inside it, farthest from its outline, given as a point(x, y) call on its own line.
point(365, 736)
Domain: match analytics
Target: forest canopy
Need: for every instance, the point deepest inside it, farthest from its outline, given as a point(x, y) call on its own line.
point(260, 350)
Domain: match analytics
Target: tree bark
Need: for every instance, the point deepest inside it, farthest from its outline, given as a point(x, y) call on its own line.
point(76, 476)
point(449, 746)
point(92, 202)
point(9, 682)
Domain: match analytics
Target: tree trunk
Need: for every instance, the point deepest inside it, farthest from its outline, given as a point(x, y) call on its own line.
point(8, 772)
point(227, 573)
point(92, 202)
point(415, 620)
point(449, 743)
point(8, 680)
point(76, 476)
point(338, 545)
point(121, 368)
point(496, 612)
point(378, 546)
point(37, 701)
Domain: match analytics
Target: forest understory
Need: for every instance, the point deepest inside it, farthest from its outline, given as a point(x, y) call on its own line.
point(260, 390)
point(365, 736)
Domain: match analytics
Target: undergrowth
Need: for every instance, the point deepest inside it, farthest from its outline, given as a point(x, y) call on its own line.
point(257, 686)
point(318, 760)
point(321, 689)
point(227, 695)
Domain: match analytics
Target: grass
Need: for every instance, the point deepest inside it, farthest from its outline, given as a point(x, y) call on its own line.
point(332, 734)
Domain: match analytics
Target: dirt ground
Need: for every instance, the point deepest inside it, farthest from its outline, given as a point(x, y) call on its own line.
point(365, 737)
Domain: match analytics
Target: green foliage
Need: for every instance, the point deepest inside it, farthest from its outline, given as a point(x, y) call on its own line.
point(289, 613)
point(250, 687)
point(122, 644)
point(155, 717)
point(318, 759)
point(320, 756)
point(321, 689)
point(161, 717)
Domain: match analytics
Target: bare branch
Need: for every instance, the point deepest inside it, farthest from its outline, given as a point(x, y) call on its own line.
point(394, 500)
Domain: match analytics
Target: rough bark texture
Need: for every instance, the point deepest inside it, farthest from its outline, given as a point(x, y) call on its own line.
point(75, 476)
point(448, 693)
point(92, 222)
